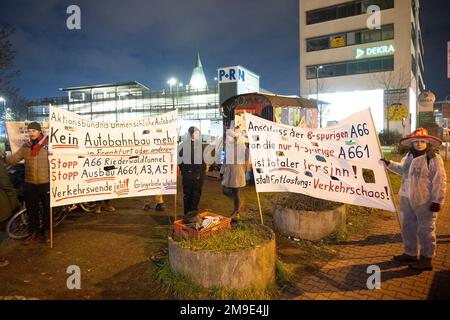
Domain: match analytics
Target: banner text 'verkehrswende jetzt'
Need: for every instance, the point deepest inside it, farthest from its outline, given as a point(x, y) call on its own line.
point(339, 163)
point(104, 160)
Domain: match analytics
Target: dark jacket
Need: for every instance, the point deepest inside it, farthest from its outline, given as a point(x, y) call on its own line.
point(192, 162)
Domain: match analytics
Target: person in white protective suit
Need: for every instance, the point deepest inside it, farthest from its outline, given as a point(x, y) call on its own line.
point(422, 193)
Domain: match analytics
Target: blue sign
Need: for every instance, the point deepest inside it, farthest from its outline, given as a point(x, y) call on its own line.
point(231, 74)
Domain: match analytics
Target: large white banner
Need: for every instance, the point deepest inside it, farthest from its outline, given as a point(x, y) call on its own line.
point(339, 163)
point(105, 160)
point(18, 133)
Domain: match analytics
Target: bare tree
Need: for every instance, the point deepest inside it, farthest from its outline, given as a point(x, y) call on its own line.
point(7, 70)
point(392, 83)
point(313, 90)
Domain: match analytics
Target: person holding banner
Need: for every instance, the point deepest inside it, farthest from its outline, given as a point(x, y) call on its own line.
point(37, 181)
point(422, 193)
point(233, 171)
point(192, 169)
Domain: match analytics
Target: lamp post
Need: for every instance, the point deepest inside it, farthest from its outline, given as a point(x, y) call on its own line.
point(317, 94)
point(4, 111)
point(4, 104)
point(416, 51)
point(172, 82)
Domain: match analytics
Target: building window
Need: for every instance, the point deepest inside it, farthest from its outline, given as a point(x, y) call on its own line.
point(349, 9)
point(318, 44)
point(353, 67)
point(350, 38)
point(371, 36)
point(387, 32)
point(98, 96)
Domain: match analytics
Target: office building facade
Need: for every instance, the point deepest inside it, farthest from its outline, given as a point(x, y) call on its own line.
point(364, 53)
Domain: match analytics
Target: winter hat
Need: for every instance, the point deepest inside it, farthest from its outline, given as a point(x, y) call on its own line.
point(420, 134)
point(191, 130)
point(35, 126)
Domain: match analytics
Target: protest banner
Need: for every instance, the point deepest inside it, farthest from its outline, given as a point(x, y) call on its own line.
point(99, 160)
point(18, 133)
point(339, 163)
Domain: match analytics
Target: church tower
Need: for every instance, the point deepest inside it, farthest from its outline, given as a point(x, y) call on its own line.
point(198, 79)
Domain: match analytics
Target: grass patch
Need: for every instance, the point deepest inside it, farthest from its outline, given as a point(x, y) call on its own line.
point(183, 288)
point(298, 257)
point(393, 177)
point(241, 236)
point(284, 272)
point(396, 181)
point(357, 220)
point(298, 201)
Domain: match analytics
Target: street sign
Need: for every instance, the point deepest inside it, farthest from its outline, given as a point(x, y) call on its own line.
point(394, 91)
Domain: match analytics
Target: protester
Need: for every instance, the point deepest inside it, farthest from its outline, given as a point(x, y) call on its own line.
point(192, 169)
point(422, 193)
point(37, 181)
point(105, 205)
point(234, 169)
point(8, 201)
point(159, 199)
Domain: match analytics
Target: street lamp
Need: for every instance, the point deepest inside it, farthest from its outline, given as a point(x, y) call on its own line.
point(416, 52)
point(4, 105)
point(172, 82)
point(317, 93)
point(4, 109)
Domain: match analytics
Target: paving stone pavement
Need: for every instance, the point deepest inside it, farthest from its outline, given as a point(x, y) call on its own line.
point(345, 277)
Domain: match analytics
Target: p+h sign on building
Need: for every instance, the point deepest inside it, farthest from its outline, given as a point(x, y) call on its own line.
point(231, 74)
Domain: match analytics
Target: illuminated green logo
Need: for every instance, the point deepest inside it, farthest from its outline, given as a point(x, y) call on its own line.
point(374, 51)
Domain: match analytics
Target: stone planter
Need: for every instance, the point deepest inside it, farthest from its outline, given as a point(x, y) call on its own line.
point(252, 268)
point(308, 225)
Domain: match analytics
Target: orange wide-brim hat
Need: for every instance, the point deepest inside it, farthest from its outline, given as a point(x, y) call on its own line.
point(420, 134)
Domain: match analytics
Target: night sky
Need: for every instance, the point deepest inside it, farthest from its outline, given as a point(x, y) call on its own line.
point(153, 40)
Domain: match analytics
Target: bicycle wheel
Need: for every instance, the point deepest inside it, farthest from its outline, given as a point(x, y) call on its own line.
point(17, 227)
point(59, 213)
point(88, 206)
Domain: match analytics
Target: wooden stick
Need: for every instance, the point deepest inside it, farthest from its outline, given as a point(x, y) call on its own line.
point(387, 177)
point(51, 227)
point(259, 205)
point(446, 150)
point(175, 207)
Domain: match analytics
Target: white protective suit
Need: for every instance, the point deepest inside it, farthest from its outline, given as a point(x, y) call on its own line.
point(423, 182)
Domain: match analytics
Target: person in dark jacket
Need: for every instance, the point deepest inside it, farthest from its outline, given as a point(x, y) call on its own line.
point(37, 180)
point(192, 169)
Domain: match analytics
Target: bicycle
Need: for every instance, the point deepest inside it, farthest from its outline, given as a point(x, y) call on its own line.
point(17, 226)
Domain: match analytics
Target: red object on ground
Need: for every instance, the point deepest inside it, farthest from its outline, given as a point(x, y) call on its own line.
point(180, 230)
